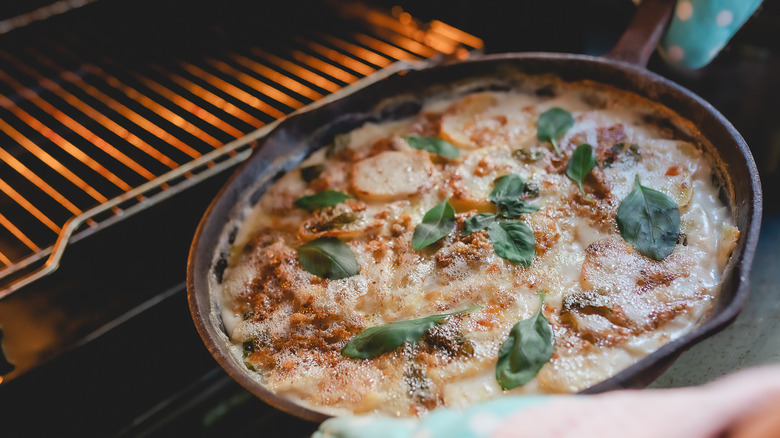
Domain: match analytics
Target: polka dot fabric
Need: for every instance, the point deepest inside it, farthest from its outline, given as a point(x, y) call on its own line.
point(701, 28)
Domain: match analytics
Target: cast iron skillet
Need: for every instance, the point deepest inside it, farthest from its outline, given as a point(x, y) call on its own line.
point(298, 136)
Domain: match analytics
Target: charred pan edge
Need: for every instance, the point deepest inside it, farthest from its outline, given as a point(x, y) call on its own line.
point(292, 141)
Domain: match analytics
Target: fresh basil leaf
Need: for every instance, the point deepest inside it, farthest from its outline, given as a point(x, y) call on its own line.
point(582, 161)
point(375, 341)
point(650, 221)
point(328, 257)
point(436, 223)
point(506, 196)
point(434, 145)
point(552, 125)
point(478, 222)
point(513, 241)
point(526, 350)
point(320, 200)
point(310, 173)
point(516, 208)
point(508, 188)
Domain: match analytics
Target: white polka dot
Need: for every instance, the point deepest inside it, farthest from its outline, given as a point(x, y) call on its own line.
point(724, 18)
point(684, 10)
point(676, 53)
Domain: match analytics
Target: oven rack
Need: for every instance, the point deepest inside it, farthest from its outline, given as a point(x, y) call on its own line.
point(90, 139)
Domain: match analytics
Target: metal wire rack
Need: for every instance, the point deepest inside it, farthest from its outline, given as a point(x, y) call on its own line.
point(94, 130)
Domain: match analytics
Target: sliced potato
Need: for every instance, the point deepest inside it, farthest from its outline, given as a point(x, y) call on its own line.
point(728, 240)
point(459, 120)
point(392, 175)
point(473, 179)
point(611, 264)
point(680, 186)
point(643, 289)
point(546, 231)
point(665, 165)
point(480, 120)
point(672, 163)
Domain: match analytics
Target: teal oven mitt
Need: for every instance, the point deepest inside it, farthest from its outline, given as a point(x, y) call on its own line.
point(701, 28)
point(655, 413)
point(479, 421)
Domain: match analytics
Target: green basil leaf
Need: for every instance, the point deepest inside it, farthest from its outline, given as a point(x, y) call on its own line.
point(375, 341)
point(582, 161)
point(516, 208)
point(552, 125)
point(434, 145)
point(506, 196)
point(478, 222)
point(320, 200)
point(513, 241)
point(526, 350)
point(328, 257)
point(310, 173)
point(508, 188)
point(436, 223)
point(649, 220)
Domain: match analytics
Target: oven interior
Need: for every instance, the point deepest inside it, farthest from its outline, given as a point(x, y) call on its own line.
point(120, 121)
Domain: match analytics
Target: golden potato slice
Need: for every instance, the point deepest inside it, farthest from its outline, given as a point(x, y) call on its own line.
point(473, 179)
point(671, 165)
point(391, 175)
point(612, 264)
point(641, 289)
point(459, 120)
point(479, 120)
point(728, 240)
point(678, 184)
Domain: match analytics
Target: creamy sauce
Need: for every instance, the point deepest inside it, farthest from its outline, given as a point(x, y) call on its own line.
point(297, 323)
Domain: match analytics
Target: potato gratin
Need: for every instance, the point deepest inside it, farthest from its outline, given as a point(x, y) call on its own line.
point(508, 242)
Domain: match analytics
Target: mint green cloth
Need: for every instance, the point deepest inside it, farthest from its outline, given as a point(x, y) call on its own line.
point(477, 422)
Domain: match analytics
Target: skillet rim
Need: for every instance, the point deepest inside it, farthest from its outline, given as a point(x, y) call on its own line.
point(640, 374)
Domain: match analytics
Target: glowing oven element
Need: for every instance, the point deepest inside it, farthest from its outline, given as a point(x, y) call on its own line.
point(90, 138)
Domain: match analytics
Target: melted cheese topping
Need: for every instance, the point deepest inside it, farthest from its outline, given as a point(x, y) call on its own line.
point(609, 306)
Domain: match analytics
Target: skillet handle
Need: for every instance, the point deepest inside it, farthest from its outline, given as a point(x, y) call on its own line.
point(637, 43)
